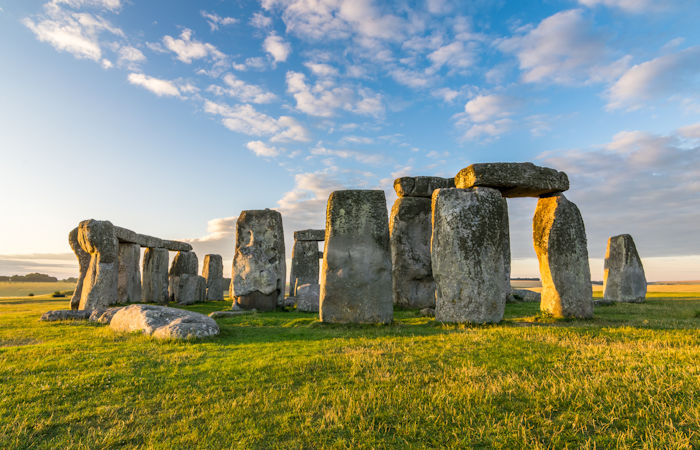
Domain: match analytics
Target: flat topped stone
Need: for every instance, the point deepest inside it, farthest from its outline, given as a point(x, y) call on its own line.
point(513, 179)
point(125, 235)
point(310, 235)
point(421, 186)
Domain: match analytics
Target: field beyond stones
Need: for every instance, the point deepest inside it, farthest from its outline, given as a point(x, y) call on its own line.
point(628, 378)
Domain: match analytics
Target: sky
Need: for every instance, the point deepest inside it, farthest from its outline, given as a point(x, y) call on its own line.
point(169, 117)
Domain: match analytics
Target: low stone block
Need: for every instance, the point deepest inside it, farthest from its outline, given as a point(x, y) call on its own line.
point(163, 322)
point(623, 277)
point(64, 314)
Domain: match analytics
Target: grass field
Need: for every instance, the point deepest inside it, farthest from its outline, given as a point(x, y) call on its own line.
point(15, 289)
point(629, 378)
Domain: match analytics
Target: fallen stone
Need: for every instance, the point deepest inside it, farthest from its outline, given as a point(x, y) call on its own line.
point(309, 235)
point(421, 186)
point(155, 275)
point(224, 314)
point(427, 312)
point(524, 295)
point(468, 256)
point(259, 268)
point(304, 268)
point(83, 263)
point(513, 179)
point(213, 273)
point(129, 278)
point(307, 297)
point(103, 315)
point(356, 274)
point(623, 278)
point(163, 322)
point(559, 237)
point(99, 288)
point(64, 314)
point(412, 275)
point(125, 235)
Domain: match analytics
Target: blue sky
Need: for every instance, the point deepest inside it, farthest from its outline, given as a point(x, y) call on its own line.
point(170, 117)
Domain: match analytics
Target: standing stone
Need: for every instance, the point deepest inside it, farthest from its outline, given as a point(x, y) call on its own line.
point(307, 297)
point(183, 263)
point(259, 266)
point(468, 255)
point(304, 268)
point(560, 243)
point(83, 262)
point(189, 288)
point(213, 273)
point(356, 274)
point(129, 280)
point(623, 279)
point(410, 228)
point(100, 285)
point(155, 275)
point(513, 179)
point(506, 247)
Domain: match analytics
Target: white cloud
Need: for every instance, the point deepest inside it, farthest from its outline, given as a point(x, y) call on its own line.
point(488, 107)
point(322, 70)
point(690, 131)
point(112, 5)
point(259, 20)
point(634, 6)
point(411, 78)
point(364, 158)
point(262, 149)
point(277, 48)
point(563, 49)
point(446, 94)
point(663, 76)
point(129, 55)
point(486, 116)
point(188, 49)
point(455, 54)
point(243, 91)
point(156, 85)
point(245, 119)
point(215, 21)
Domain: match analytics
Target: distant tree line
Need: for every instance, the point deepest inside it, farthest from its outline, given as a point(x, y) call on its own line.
point(34, 277)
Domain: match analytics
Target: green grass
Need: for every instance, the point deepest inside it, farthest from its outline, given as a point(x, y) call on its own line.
point(17, 289)
point(629, 378)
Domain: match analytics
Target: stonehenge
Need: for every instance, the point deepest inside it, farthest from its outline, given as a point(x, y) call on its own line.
point(259, 267)
point(213, 273)
point(356, 273)
point(305, 256)
point(513, 179)
point(623, 276)
point(468, 256)
point(183, 281)
point(108, 256)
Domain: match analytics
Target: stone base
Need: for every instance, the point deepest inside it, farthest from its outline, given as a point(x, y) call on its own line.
point(258, 300)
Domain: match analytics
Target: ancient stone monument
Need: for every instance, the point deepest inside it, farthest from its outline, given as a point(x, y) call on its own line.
point(623, 277)
point(307, 297)
point(99, 283)
point(259, 267)
point(163, 322)
point(305, 257)
point(410, 230)
point(356, 273)
point(513, 179)
point(184, 285)
point(560, 243)
point(213, 273)
point(468, 255)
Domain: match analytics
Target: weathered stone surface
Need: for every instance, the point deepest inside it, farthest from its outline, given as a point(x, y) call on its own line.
point(468, 256)
point(560, 243)
point(83, 263)
point(524, 295)
point(505, 236)
point(213, 273)
point(99, 288)
point(155, 275)
point(187, 289)
point(410, 229)
point(427, 312)
point(129, 278)
point(128, 236)
point(224, 314)
point(64, 314)
point(513, 179)
point(356, 274)
point(163, 322)
point(184, 263)
point(421, 186)
point(103, 315)
point(307, 297)
point(310, 235)
point(258, 274)
point(623, 277)
point(304, 268)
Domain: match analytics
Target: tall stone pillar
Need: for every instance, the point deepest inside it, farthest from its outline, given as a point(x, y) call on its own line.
point(155, 275)
point(99, 290)
point(213, 273)
point(129, 279)
point(623, 278)
point(305, 257)
point(83, 262)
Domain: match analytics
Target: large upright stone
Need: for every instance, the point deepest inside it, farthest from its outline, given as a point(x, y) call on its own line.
point(213, 273)
point(623, 279)
point(184, 263)
point(259, 266)
point(83, 263)
point(155, 275)
point(129, 280)
point(356, 273)
point(190, 288)
point(513, 179)
point(468, 256)
point(410, 229)
point(421, 186)
point(304, 268)
point(560, 243)
point(100, 285)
